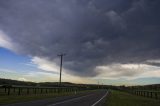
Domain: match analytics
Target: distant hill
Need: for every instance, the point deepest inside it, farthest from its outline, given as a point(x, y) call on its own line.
point(16, 82)
point(68, 84)
point(50, 84)
point(26, 83)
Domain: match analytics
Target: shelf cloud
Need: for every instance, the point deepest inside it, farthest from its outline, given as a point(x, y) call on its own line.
point(92, 33)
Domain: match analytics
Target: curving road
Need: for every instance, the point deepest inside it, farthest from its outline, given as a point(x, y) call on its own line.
point(95, 98)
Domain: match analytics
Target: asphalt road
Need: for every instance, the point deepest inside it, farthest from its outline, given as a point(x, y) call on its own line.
point(95, 98)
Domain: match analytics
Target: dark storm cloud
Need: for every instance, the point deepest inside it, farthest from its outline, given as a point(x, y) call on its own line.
point(91, 32)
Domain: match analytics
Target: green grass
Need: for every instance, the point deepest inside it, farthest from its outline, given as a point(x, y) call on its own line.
point(118, 98)
point(24, 98)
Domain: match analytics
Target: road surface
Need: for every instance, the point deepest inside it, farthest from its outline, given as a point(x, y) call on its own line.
point(95, 98)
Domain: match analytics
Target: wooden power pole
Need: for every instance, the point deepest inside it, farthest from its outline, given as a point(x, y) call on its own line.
point(61, 57)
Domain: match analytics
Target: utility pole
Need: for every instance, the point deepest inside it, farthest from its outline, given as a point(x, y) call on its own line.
point(98, 84)
point(61, 56)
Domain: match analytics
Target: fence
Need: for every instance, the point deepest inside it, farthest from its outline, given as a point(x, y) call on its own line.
point(144, 93)
point(27, 90)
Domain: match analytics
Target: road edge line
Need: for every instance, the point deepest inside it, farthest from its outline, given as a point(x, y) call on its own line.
point(100, 99)
point(68, 100)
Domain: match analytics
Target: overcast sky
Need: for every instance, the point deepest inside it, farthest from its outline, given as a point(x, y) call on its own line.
point(112, 41)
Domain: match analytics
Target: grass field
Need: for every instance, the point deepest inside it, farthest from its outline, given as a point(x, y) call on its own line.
point(118, 98)
point(24, 98)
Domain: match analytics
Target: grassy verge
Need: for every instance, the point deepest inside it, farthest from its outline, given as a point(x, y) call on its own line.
point(24, 98)
point(118, 98)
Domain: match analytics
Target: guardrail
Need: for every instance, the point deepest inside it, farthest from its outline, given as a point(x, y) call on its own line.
point(26, 90)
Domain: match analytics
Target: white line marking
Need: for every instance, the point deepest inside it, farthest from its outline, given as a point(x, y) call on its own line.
point(100, 99)
point(69, 100)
